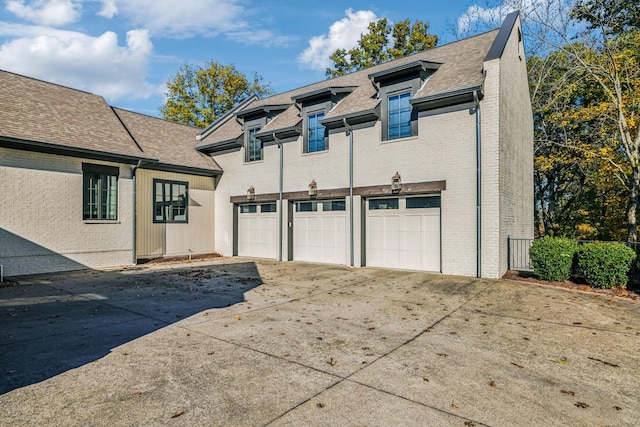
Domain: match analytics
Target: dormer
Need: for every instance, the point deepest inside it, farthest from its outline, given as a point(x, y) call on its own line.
point(252, 120)
point(395, 88)
point(314, 106)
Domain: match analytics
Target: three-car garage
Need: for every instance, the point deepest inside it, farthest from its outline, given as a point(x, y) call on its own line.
point(401, 232)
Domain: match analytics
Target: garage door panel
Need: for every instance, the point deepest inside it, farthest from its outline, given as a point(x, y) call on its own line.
point(406, 237)
point(258, 234)
point(320, 236)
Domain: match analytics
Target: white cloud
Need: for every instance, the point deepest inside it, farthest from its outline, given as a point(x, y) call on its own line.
point(109, 9)
point(343, 34)
point(95, 64)
point(186, 18)
point(46, 12)
point(259, 37)
point(477, 17)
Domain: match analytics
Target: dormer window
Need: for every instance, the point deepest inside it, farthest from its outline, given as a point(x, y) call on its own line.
point(316, 133)
point(314, 106)
point(396, 87)
point(399, 115)
point(253, 145)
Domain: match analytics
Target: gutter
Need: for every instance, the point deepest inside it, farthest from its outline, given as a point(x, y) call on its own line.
point(478, 188)
point(351, 239)
point(280, 149)
point(135, 212)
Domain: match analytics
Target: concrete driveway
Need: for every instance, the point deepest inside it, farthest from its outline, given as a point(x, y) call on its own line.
point(237, 342)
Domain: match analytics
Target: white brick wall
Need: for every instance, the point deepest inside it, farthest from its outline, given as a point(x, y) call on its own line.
point(444, 150)
point(41, 226)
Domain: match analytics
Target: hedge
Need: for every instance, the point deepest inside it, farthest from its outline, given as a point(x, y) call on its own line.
point(605, 265)
point(553, 257)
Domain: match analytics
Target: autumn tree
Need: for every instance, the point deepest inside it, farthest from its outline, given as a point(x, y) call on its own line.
point(198, 95)
point(384, 42)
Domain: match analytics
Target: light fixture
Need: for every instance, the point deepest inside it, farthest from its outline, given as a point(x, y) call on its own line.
point(396, 183)
point(251, 194)
point(313, 189)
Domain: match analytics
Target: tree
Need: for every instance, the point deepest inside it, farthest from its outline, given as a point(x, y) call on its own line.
point(197, 96)
point(613, 63)
point(384, 42)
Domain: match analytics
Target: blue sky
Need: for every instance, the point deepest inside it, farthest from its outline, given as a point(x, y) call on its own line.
point(126, 50)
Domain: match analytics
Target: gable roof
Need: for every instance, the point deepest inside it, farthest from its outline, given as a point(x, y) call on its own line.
point(456, 68)
point(43, 116)
point(171, 143)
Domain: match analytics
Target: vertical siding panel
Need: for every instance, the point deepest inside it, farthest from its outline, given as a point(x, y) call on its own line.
point(196, 237)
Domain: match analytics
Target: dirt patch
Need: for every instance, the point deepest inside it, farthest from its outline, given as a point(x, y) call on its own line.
point(7, 284)
point(179, 259)
point(575, 283)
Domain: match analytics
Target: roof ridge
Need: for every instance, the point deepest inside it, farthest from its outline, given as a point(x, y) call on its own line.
point(383, 64)
point(195, 128)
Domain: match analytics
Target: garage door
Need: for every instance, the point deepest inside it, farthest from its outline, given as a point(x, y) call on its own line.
point(404, 233)
point(319, 231)
point(258, 230)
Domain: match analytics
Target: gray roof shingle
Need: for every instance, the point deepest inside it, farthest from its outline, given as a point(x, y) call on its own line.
point(171, 143)
point(461, 65)
point(35, 111)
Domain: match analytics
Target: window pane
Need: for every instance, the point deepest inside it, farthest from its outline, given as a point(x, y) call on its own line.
point(306, 206)
point(100, 196)
point(268, 207)
point(111, 197)
point(383, 204)
point(248, 208)
point(316, 133)
point(334, 205)
point(179, 202)
point(423, 202)
point(171, 201)
point(90, 205)
point(254, 146)
point(399, 116)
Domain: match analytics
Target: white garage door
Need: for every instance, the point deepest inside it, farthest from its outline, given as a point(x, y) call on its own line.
point(319, 232)
point(258, 230)
point(404, 233)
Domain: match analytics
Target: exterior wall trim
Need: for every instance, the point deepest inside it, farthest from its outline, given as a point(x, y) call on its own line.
point(368, 191)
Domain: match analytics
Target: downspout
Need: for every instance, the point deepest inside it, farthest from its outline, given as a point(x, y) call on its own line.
point(478, 188)
point(135, 213)
point(350, 134)
point(280, 149)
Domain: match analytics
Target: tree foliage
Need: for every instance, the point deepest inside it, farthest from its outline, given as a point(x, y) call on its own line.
point(197, 96)
point(615, 16)
point(384, 42)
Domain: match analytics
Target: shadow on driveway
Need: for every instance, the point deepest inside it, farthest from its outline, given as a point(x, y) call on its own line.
point(54, 323)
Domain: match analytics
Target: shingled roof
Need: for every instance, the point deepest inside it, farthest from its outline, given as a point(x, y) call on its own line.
point(171, 143)
point(43, 116)
point(459, 68)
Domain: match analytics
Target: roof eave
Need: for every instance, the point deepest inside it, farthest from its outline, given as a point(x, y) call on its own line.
point(446, 99)
point(182, 169)
point(62, 150)
point(280, 133)
point(354, 117)
point(220, 146)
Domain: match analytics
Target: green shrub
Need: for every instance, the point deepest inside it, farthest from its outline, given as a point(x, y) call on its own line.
point(605, 265)
point(552, 258)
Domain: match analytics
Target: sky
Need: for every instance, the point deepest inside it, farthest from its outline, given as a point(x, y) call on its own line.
point(126, 50)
